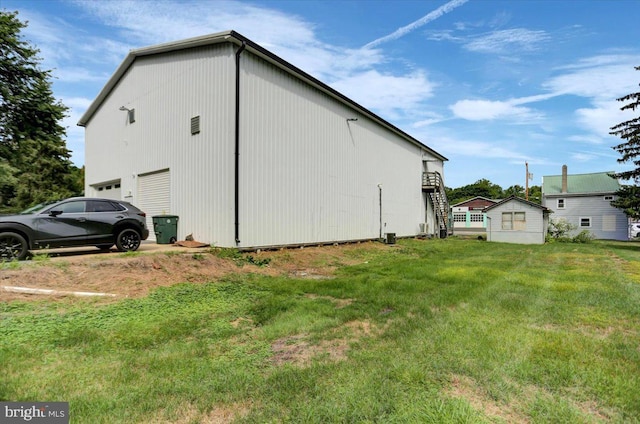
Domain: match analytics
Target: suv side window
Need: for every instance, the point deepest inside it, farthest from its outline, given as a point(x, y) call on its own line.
point(76, 206)
point(101, 206)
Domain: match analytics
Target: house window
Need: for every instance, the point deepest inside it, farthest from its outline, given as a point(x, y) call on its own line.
point(560, 203)
point(514, 221)
point(608, 198)
point(585, 222)
point(507, 221)
point(476, 217)
point(459, 217)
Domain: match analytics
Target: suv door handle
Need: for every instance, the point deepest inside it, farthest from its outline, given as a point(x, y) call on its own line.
point(81, 219)
point(119, 216)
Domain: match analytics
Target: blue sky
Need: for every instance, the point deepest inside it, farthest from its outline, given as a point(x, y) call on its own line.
point(488, 84)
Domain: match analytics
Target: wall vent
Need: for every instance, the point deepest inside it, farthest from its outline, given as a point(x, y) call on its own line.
point(195, 125)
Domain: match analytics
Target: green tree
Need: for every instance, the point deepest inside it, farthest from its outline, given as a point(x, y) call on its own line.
point(535, 194)
point(482, 188)
point(514, 190)
point(628, 197)
point(36, 163)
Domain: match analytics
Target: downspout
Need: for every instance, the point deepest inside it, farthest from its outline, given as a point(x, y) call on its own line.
point(380, 207)
point(237, 145)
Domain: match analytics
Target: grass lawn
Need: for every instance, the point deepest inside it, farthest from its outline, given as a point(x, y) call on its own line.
point(425, 331)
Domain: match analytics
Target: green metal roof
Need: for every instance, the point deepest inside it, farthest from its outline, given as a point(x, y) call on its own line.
point(599, 182)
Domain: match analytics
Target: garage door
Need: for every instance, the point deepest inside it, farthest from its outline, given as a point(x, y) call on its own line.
point(154, 196)
point(109, 190)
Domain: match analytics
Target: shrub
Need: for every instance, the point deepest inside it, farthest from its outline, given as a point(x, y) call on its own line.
point(559, 230)
point(583, 237)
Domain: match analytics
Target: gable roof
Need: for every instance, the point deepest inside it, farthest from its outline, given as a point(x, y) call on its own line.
point(521, 200)
point(239, 40)
point(474, 199)
point(595, 183)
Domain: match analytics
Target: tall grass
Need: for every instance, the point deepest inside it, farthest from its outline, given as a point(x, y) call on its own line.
point(427, 331)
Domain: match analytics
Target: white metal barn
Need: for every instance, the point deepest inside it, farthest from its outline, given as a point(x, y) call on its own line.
point(250, 151)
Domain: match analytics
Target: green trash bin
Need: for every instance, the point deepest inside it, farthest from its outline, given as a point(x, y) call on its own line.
point(166, 228)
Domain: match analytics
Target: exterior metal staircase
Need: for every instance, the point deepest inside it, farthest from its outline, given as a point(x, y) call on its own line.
point(433, 184)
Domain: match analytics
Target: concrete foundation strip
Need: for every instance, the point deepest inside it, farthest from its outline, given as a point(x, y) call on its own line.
point(28, 290)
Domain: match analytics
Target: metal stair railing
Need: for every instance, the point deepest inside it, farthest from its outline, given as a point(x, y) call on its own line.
point(438, 197)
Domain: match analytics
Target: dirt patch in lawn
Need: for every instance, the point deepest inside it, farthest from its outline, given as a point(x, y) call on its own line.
point(136, 275)
point(299, 351)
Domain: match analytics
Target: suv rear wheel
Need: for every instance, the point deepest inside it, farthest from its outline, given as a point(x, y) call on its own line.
point(12, 247)
point(128, 240)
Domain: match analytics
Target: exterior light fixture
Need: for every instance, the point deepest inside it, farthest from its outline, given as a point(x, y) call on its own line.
point(131, 114)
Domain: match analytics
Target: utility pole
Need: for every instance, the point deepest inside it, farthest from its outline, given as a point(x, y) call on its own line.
point(526, 184)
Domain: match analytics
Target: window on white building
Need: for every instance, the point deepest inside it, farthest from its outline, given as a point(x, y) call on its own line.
point(476, 217)
point(585, 222)
point(514, 221)
point(459, 217)
point(560, 203)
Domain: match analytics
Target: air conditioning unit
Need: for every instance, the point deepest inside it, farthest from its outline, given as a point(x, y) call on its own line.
point(390, 238)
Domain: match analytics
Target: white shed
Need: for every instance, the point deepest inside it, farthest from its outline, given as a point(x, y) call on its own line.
point(250, 151)
point(516, 220)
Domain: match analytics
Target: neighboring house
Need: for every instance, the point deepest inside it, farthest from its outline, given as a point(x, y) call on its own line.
point(250, 151)
point(516, 220)
point(468, 217)
point(584, 200)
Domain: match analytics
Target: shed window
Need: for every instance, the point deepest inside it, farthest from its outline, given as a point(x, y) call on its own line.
point(560, 203)
point(459, 217)
point(514, 221)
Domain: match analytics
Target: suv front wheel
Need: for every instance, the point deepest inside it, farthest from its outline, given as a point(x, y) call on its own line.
point(12, 247)
point(128, 240)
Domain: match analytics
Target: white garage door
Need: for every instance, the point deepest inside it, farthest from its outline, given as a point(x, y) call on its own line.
point(108, 190)
point(154, 196)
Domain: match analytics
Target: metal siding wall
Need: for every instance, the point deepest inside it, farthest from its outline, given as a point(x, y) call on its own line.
point(166, 91)
point(308, 176)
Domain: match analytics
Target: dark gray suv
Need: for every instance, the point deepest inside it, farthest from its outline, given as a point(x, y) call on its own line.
point(78, 221)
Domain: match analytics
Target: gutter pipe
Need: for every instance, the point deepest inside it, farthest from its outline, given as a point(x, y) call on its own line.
point(237, 145)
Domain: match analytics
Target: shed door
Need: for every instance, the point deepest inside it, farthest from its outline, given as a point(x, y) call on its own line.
point(154, 196)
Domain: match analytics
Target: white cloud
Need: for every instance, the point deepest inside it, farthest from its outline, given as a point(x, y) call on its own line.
point(507, 41)
point(482, 110)
point(154, 22)
point(385, 93)
point(600, 77)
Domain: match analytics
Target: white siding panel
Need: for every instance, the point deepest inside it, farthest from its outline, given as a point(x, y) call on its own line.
point(309, 175)
point(166, 91)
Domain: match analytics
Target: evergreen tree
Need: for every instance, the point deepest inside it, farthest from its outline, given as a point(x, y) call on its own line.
point(35, 163)
point(629, 195)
